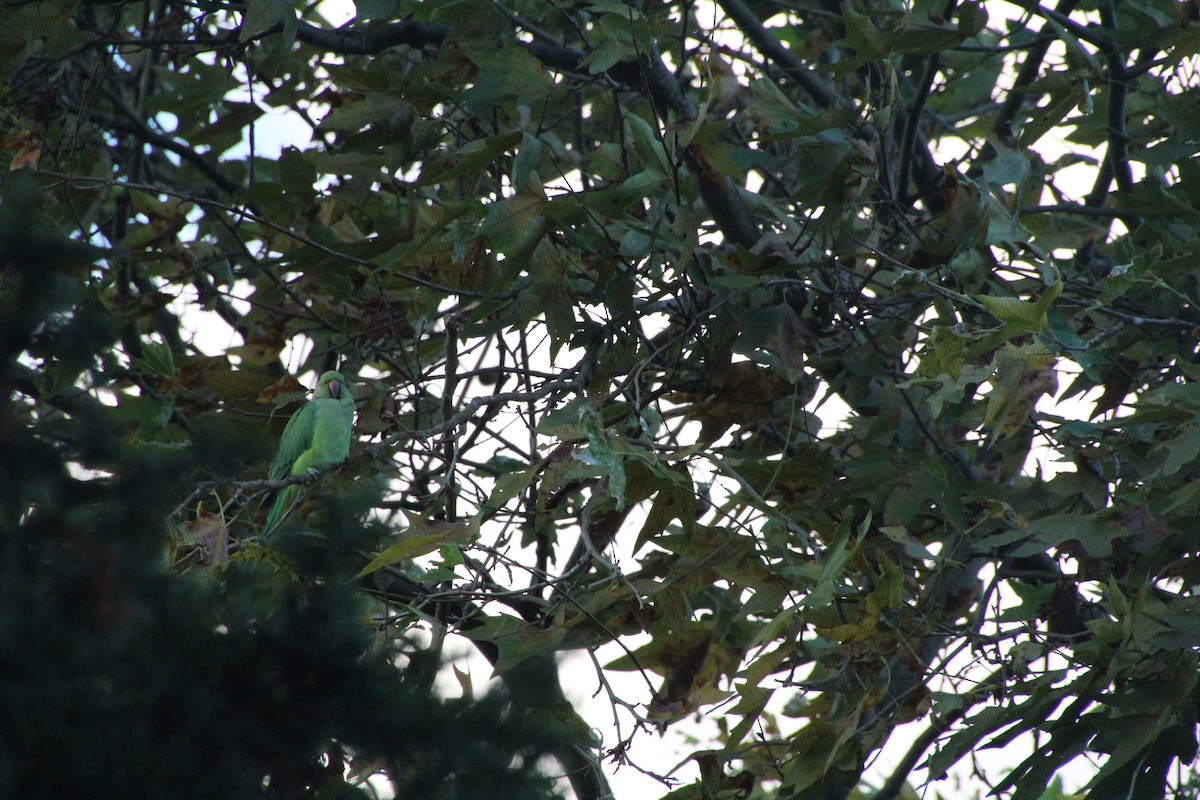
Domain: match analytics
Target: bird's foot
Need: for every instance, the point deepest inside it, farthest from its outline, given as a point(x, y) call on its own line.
point(310, 475)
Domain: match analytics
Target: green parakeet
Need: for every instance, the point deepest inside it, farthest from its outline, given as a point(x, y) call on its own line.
point(317, 436)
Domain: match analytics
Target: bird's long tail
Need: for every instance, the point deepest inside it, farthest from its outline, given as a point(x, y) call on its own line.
point(284, 501)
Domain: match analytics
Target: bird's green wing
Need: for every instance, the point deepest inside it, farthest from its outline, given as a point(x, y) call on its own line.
point(297, 437)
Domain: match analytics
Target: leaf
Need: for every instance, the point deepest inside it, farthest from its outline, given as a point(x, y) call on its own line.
point(149, 414)
point(211, 534)
point(375, 9)
point(1096, 533)
point(606, 54)
point(674, 499)
point(600, 453)
point(865, 38)
point(1009, 165)
point(626, 26)
point(821, 748)
point(832, 562)
point(261, 16)
point(508, 486)
point(648, 146)
point(1019, 316)
point(943, 353)
point(640, 186)
point(1182, 450)
point(1118, 380)
point(565, 423)
point(1074, 47)
point(1013, 311)
point(474, 157)
point(748, 395)
point(516, 640)
point(423, 536)
point(15, 40)
point(806, 125)
point(159, 358)
point(972, 18)
point(912, 546)
point(27, 156)
point(515, 224)
point(505, 70)
point(1021, 375)
point(527, 160)
point(1124, 277)
point(961, 225)
point(1067, 93)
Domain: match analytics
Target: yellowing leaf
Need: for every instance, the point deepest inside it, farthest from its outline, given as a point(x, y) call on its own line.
point(211, 535)
point(27, 156)
point(1019, 316)
point(1021, 376)
point(423, 536)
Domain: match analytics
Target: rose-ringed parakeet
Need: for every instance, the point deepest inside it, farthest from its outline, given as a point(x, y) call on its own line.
point(317, 436)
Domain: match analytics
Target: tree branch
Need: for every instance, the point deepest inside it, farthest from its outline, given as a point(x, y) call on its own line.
point(1028, 73)
point(352, 42)
point(821, 92)
point(894, 785)
point(719, 193)
point(912, 123)
point(1079, 209)
point(1118, 89)
point(136, 126)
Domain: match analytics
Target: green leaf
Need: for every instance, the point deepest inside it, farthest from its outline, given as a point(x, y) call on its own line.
point(833, 560)
point(628, 28)
point(675, 499)
point(1096, 534)
point(151, 415)
point(912, 547)
point(15, 42)
point(1124, 277)
point(648, 145)
point(423, 536)
point(505, 72)
point(1013, 311)
point(515, 224)
point(600, 453)
point(516, 640)
point(261, 16)
point(1019, 316)
point(376, 9)
point(474, 157)
point(527, 160)
point(1182, 450)
point(159, 358)
point(565, 423)
point(972, 18)
point(868, 41)
point(943, 354)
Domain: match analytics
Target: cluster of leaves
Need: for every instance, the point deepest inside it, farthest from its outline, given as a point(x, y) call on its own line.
point(599, 270)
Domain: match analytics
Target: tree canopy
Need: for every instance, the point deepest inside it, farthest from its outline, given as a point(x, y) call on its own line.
point(833, 366)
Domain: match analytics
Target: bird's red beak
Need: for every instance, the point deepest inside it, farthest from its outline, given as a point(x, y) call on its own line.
point(335, 389)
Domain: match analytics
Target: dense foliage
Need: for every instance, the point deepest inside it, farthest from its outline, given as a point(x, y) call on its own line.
point(833, 366)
